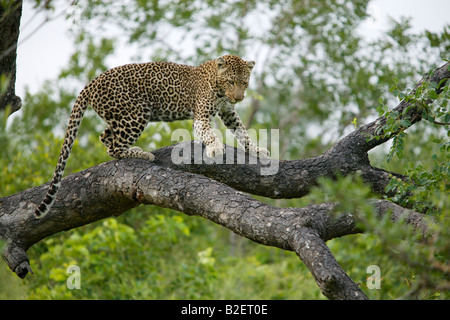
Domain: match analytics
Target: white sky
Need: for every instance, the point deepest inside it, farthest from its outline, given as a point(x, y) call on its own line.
point(43, 54)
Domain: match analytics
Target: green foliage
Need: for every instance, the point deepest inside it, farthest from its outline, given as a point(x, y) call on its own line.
point(412, 263)
point(428, 186)
point(423, 153)
point(166, 258)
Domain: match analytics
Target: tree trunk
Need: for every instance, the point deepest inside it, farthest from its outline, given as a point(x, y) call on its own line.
point(10, 14)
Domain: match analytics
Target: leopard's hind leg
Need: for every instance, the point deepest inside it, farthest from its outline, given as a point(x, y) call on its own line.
point(120, 135)
point(107, 137)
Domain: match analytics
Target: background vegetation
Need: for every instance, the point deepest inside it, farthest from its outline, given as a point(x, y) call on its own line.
point(317, 77)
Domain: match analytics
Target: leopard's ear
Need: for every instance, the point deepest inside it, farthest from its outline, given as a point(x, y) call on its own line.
point(250, 64)
point(221, 64)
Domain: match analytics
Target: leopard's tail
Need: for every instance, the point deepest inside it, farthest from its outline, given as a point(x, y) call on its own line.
point(76, 116)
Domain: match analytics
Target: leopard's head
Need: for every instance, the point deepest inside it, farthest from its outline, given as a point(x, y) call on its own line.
point(233, 75)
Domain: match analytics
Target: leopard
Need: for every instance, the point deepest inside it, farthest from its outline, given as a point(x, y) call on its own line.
point(129, 97)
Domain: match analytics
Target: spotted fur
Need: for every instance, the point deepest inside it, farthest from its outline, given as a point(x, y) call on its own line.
point(130, 96)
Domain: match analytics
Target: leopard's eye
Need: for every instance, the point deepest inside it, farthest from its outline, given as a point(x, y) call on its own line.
point(231, 82)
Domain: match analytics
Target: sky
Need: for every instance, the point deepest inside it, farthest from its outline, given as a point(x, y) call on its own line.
point(44, 51)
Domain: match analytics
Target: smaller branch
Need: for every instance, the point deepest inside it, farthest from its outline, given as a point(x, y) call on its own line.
point(410, 217)
point(334, 283)
point(441, 123)
point(15, 256)
point(367, 135)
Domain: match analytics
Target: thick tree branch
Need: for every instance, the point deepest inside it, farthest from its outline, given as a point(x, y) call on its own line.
point(114, 187)
point(276, 179)
point(332, 280)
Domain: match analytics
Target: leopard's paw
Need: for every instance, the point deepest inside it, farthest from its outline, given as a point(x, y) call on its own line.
point(216, 149)
point(137, 152)
point(259, 152)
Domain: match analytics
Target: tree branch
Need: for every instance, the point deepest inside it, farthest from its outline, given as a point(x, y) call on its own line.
point(365, 135)
point(114, 187)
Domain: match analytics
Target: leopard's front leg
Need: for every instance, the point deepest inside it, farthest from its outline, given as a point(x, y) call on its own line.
point(203, 129)
point(233, 122)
